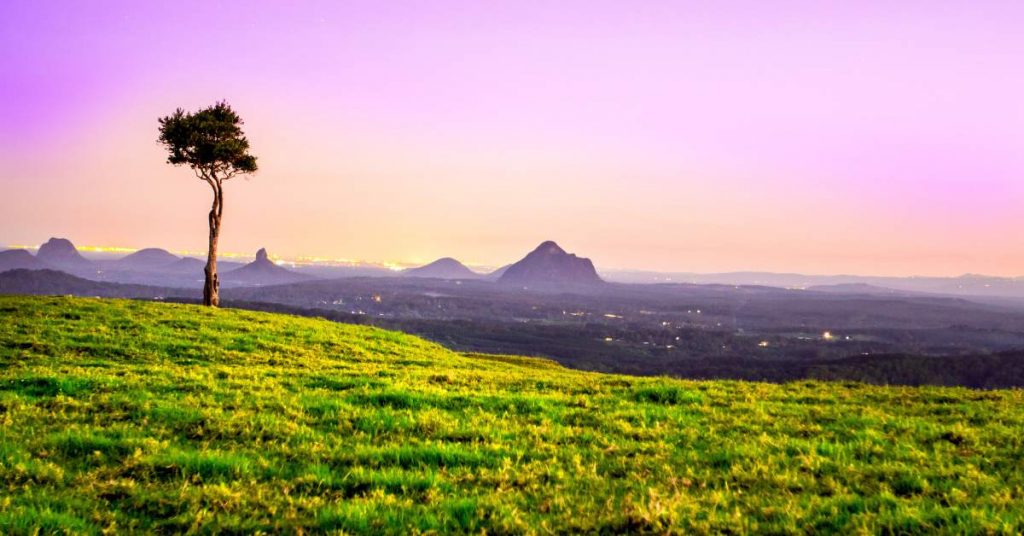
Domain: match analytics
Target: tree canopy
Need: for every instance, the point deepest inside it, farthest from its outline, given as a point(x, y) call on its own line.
point(210, 141)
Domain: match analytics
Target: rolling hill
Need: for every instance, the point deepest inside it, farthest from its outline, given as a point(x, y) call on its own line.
point(126, 416)
point(148, 259)
point(446, 268)
point(190, 265)
point(19, 259)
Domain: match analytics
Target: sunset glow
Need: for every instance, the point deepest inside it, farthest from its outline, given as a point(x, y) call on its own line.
point(870, 138)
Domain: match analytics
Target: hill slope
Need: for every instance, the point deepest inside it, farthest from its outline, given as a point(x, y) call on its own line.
point(134, 416)
point(551, 266)
point(147, 259)
point(19, 259)
point(262, 271)
point(446, 268)
point(61, 253)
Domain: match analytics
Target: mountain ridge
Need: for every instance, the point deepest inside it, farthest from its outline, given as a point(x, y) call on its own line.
point(148, 259)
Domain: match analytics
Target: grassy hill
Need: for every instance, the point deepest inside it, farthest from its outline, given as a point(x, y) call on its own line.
point(131, 416)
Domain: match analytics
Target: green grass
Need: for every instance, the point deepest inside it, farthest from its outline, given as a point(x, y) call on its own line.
point(125, 416)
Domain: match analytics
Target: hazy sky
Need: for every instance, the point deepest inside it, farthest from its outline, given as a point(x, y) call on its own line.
point(873, 137)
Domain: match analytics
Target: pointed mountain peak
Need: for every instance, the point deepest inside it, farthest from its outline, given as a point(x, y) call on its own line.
point(550, 265)
point(263, 271)
point(549, 247)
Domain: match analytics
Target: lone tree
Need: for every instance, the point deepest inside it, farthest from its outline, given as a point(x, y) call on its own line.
point(212, 143)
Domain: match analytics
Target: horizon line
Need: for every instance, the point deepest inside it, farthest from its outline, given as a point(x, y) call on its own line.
point(398, 266)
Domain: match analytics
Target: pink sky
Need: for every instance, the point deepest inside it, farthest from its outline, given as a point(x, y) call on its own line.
point(819, 137)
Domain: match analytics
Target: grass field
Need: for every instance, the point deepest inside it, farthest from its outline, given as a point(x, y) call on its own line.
point(125, 416)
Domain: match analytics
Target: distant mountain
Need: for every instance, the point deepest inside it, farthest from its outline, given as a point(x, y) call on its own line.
point(13, 259)
point(549, 265)
point(55, 283)
point(148, 259)
point(496, 275)
point(965, 285)
point(862, 289)
point(61, 253)
point(446, 268)
point(262, 271)
point(187, 265)
point(49, 282)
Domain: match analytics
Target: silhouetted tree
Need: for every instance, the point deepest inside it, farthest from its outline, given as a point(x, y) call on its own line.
point(212, 143)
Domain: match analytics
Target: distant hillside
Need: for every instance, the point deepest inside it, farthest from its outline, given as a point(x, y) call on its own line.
point(496, 275)
point(965, 285)
point(188, 265)
point(49, 282)
point(550, 265)
point(13, 259)
point(148, 259)
point(446, 268)
point(160, 418)
point(53, 282)
point(262, 271)
point(676, 330)
point(863, 289)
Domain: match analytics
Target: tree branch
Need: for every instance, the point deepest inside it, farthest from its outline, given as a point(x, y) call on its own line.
point(216, 194)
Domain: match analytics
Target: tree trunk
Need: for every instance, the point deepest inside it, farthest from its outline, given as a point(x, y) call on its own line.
point(211, 288)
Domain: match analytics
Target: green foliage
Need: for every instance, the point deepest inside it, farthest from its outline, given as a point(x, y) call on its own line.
point(124, 416)
point(210, 141)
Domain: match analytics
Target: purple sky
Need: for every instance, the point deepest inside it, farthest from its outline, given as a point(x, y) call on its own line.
point(824, 137)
